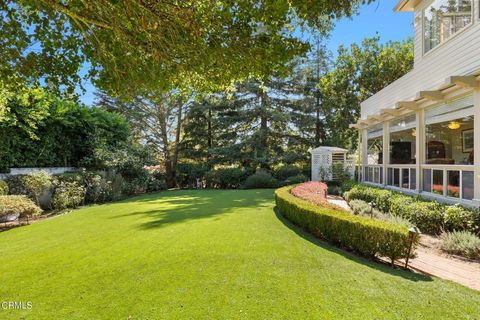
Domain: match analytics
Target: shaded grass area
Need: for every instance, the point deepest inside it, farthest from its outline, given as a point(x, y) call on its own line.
point(205, 255)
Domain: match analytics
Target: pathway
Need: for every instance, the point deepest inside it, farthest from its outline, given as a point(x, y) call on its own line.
point(432, 262)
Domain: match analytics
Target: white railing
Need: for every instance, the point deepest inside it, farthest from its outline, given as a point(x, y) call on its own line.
point(402, 176)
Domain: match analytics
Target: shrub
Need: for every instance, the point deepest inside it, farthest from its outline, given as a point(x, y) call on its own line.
point(227, 178)
point(347, 185)
point(313, 192)
point(3, 188)
point(15, 204)
point(188, 173)
point(37, 183)
point(427, 216)
point(363, 235)
point(285, 172)
point(17, 186)
point(97, 188)
point(459, 219)
point(296, 179)
point(361, 207)
point(462, 243)
point(68, 195)
point(399, 203)
point(260, 179)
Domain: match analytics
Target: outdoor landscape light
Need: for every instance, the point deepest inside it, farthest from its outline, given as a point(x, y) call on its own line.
point(412, 233)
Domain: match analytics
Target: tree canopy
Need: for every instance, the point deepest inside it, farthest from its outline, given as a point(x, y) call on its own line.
point(134, 46)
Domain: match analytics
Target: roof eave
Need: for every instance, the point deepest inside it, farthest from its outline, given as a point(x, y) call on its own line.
point(406, 5)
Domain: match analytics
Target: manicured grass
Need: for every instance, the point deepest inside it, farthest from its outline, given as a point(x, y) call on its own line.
point(205, 255)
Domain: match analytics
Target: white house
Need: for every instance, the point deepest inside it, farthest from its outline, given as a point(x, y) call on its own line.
point(421, 134)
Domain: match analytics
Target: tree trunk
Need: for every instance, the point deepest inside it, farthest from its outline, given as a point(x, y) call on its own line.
point(264, 130)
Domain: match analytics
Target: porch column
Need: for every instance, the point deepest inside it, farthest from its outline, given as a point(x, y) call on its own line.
point(476, 145)
point(420, 148)
point(386, 150)
point(364, 152)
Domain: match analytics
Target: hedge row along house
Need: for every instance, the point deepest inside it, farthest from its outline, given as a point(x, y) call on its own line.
point(421, 134)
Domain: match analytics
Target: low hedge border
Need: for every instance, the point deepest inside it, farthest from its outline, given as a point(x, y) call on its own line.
point(429, 216)
point(366, 236)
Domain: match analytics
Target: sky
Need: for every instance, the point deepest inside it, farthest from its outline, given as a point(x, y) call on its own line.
point(374, 18)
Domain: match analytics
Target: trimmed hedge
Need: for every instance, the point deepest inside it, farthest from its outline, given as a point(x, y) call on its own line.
point(366, 236)
point(429, 216)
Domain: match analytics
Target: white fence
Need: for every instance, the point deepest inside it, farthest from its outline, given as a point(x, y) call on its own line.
point(51, 170)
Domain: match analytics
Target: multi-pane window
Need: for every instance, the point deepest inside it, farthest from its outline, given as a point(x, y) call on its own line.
point(443, 18)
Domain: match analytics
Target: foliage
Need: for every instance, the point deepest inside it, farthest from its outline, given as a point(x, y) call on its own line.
point(286, 171)
point(156, 181)
point(428, 216)
point(363, 235)
point(313, 192)
point(17, 185)
point(22, 205)
point(299, 178)
point(462, 243)
point(357, 73)
point(188, 173)
point(37, 183)
point(41, 130)
point(460, 219)
point(68, 195)
point(361, 207)
point(227, 178)
point(132, 46)
point(260, 179)
point(3, 188)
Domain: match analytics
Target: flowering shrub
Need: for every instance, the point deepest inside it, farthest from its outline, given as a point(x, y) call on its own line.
point(313, 191)
point(21, 205)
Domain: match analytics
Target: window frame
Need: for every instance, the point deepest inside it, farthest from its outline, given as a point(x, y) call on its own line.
point(468, 26)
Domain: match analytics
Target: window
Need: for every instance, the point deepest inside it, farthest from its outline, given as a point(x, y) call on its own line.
point(449, 133)
point(375, 145)
point(443, 18)
point(403, 141)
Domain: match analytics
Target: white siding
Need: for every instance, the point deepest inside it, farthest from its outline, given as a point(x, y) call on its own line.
point(460, 55)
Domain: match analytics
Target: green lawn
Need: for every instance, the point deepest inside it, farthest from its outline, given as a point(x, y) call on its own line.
point(205, 254)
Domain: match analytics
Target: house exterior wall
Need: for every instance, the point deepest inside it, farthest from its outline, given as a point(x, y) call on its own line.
point(456, 57)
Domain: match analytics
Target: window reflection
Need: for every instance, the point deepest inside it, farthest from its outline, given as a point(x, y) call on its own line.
point(443, 18)
point(403, 141)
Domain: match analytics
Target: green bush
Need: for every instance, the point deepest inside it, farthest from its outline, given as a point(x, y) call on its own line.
point(428, 216)
point(300, 178)
point(361, 207)
point(399, 203)
point(227, 178)
point(462, 243)
point(347, 185)
point(68, 194)
point(260, 179)
point(285, 172)
point(37, 184)
point(97, 188)
point(17, 185)
point(14, 204)
point(3, 188)
point(459, 219)
point(363, 235)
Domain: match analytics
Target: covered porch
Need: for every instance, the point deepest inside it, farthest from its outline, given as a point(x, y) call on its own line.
point(429, 145)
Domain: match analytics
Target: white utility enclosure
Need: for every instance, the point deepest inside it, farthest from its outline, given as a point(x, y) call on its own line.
point(323, 158)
